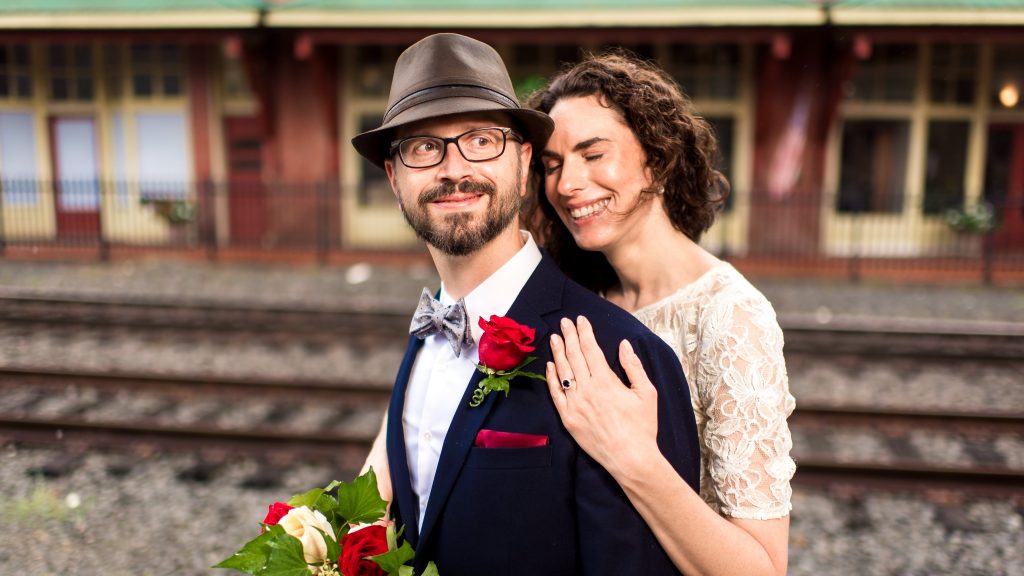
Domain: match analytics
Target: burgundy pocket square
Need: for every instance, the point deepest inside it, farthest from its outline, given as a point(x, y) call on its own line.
point(497, 439)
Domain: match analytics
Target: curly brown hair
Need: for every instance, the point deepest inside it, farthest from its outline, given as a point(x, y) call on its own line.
point(679, 144)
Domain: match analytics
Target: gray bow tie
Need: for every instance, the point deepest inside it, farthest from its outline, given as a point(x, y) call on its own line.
point(452, 321)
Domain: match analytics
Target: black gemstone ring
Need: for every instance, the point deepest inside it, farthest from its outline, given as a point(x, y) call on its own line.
point(566, 384)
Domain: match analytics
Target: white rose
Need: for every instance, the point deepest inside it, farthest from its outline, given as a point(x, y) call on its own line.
point(302, 523)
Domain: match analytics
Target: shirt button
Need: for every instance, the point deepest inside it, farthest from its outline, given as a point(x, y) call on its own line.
point(427, 436)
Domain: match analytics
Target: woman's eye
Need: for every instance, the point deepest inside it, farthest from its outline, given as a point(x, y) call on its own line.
point(551, 168)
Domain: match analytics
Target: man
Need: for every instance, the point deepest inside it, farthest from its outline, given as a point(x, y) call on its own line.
point(456, 146)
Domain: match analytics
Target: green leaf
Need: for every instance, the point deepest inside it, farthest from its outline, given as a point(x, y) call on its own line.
point(360, 501)
point(308, 499)
point(532, 375)
point(392, 560)
point(286, 558)
point(405, 571)
point(333, 548)
point(253, 555)
point(430, 570)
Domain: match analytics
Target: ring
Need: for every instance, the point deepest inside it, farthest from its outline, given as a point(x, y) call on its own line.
point(567, 383)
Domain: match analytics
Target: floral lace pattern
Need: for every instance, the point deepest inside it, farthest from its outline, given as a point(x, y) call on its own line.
point(727, 338)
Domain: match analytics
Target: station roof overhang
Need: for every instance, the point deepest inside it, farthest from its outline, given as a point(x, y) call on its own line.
point(535, 16)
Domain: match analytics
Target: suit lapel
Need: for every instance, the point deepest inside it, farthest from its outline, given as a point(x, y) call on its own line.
point(541, 293)
point(401, 485)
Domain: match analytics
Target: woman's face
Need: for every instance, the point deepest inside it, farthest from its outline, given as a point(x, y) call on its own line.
point(594, 171)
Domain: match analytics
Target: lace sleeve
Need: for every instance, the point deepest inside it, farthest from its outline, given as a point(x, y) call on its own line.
point(745, 393)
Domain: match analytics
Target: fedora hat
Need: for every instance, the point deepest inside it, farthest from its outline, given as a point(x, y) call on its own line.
point(446, 74)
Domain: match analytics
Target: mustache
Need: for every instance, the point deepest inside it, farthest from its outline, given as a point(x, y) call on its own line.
point(449, 188)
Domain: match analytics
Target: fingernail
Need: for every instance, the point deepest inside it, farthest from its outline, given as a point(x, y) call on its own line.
point(566, 323)
point(628, 347)
point(582, 320)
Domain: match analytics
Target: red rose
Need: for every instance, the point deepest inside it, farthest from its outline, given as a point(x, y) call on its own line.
point(276, 512)
point(504, 343)
point(356, 546)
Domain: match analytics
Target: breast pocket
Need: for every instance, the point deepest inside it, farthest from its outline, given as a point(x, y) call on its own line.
point(509, 458)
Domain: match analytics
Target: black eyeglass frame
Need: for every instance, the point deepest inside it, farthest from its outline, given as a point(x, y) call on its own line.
point(396, 145)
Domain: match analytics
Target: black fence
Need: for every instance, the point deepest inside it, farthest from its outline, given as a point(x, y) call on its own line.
point(788, 236)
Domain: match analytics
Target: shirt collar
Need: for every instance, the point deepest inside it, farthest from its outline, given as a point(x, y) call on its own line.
point(496, 294)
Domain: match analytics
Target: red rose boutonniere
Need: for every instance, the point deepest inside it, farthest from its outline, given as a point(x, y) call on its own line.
point(504, 349)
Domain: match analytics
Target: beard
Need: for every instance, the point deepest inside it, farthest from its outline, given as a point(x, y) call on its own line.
point(460, 234)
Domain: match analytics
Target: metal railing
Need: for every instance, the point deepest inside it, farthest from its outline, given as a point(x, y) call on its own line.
point(772, 237)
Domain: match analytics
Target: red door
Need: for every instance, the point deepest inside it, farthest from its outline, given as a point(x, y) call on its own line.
point(1004, 183)
point(247, 196)
point(75, 176)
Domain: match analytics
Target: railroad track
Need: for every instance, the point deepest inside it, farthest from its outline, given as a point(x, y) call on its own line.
point(312, 420)
point(915, 338)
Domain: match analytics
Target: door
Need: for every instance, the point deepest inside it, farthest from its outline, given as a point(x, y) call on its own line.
point(1004, 183)
point(247, 196)
point(76, 176)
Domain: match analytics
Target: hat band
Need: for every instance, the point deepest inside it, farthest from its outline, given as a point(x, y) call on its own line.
point(449, 91)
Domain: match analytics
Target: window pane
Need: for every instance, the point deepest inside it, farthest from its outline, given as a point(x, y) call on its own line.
point(142, 85)
point(873, 166)
point(21, 55)
point(23, 86)
point(945, 166)
point(375, 189)
point(172, 85)
point(163, 154)
point(4, 86)
point(887, 76)
point(59, 88)
point(723, 163)
point(998, 159)
point(82, 55)
point(83, 88)
point(141, 55)
point(17, 151)
point(1008, 78)
point(57, 58)
point(953, 73)
point(706, 71)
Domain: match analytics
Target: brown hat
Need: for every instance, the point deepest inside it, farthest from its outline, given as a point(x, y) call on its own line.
point(447, 74)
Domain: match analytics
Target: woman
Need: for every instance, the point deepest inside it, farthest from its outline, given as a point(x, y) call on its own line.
point(628, 189)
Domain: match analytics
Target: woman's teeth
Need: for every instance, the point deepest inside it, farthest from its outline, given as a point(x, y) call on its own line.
point(588, 210)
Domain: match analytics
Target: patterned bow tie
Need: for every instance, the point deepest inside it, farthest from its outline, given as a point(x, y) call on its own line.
point(452, 321)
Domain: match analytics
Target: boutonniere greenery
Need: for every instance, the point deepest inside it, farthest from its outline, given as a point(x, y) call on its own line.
point(504, 351)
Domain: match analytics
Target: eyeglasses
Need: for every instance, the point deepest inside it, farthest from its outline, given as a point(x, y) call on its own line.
point(477, 145)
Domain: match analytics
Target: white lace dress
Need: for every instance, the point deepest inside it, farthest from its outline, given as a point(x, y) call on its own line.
point(727, 338)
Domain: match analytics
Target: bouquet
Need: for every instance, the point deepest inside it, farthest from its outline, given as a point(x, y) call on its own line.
point(324, 535)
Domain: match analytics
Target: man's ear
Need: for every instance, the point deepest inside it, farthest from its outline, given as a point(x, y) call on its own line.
point(389, 169)
point(525, 155)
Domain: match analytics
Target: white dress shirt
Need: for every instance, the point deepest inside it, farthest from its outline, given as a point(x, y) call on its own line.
point(438, 380)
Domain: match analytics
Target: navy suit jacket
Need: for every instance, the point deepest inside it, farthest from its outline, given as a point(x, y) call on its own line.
point(549, 509)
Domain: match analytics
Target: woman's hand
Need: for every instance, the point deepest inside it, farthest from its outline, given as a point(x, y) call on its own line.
point(615, 425)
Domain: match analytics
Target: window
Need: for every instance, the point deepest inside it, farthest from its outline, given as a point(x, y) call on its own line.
point(706, 71)
point(375, 190)
point(889, 75)
point(952, 76)
point(1007, 78)
point(15, 72)
point(157, 70)
point(17, 158)
point(71, 72)
point(163, 155)
point(945, 165)
point(724, 130)
point(873, 166)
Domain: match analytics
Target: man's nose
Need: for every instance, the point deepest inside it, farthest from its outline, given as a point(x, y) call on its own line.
point(454, 166)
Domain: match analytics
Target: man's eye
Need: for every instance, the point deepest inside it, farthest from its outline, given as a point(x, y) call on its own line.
point(592, 157)
point(426, 147)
